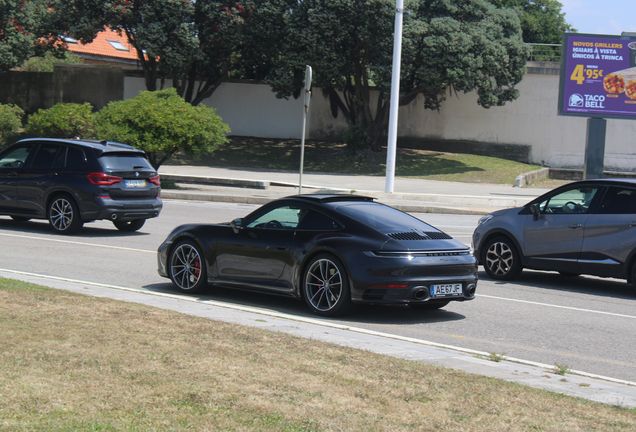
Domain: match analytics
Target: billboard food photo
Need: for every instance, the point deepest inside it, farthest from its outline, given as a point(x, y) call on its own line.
point(598, 76)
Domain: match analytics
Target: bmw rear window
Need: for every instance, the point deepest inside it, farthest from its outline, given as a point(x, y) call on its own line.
point(383, 218)
point(124, 162)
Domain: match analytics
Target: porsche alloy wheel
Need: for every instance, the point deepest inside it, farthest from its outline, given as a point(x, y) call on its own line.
point(187, 268)
point(501, 259)
point(326, 286)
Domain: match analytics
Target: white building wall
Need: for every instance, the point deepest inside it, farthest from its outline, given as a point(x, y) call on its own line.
point(558, 141)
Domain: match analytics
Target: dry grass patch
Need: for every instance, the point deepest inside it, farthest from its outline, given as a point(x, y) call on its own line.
point(71, 362)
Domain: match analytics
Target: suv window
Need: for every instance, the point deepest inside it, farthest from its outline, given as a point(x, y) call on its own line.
point(74, 157)
point(124, 162)
point(47, 157)
point(619, 200)
point(16, 158)
point(576, 200)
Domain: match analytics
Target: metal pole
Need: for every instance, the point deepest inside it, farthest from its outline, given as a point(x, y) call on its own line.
point(395, 97)
point(302, 139)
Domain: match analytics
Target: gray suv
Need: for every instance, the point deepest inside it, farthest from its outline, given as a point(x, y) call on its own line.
point(585, 227)
point(70, 182)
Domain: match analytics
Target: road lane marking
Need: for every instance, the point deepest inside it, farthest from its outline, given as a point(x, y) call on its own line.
point(78, 243)
point(558, 306)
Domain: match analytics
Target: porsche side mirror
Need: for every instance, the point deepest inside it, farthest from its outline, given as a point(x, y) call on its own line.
point(237, 225)
point(534, 209)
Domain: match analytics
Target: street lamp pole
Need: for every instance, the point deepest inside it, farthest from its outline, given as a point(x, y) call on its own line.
point(395, 97)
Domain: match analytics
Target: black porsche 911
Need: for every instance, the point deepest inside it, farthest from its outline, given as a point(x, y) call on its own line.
point(330, 250)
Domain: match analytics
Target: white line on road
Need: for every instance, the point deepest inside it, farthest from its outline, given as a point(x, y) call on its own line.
point(77, 243)
point(557, 306)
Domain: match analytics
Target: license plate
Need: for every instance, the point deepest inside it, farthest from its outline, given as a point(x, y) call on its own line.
point(446, 289)
point(135, 183)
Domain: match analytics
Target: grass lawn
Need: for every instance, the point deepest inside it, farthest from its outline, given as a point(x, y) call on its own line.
point(77, 363)
point(325, 157)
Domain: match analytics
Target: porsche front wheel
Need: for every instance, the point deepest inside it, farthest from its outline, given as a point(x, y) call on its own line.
point(186, 268)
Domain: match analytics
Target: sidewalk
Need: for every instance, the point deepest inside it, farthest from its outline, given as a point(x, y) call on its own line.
point(413, 195)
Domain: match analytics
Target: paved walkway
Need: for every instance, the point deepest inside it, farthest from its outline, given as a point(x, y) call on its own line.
point(415, 195)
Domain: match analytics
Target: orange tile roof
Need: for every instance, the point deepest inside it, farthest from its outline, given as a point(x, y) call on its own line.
point(101, 46)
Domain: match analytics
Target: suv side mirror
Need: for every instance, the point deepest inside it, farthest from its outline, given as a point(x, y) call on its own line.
point(237, 225)
point(534, 209)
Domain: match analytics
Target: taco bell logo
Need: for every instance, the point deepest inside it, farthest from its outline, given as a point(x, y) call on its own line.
point(576, 100)
point(594, 101)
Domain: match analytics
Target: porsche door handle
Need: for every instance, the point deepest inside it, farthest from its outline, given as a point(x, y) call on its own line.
point(575, 225)
point(632, 224)
point(281, 247)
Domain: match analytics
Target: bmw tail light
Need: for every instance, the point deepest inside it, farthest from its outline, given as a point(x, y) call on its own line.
point(155, 180)
point(103, 179)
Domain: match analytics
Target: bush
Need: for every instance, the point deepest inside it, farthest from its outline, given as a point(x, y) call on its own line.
point(64, 120)
point(356, 138)
point(45, 63)
point(162, 123)
point(10, 122)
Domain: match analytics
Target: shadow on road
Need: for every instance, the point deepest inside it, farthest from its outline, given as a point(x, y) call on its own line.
point(371, 314)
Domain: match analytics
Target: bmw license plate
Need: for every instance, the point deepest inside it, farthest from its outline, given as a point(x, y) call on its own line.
point(135, 183)
point(446, 289)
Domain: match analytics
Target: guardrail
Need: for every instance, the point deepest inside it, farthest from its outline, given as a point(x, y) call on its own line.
point(544, 52)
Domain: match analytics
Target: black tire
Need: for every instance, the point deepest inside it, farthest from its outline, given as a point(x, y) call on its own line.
point(430, 305)
point(187, 268)
point(20, 218)
point(129, 226)
point(64, 215)
point(325, 286)
point(501, 259)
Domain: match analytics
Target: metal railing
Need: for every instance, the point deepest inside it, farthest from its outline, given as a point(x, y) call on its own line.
point(544, 52)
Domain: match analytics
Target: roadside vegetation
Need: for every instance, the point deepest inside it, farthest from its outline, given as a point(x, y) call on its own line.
point(71, 362)
point(336, 158)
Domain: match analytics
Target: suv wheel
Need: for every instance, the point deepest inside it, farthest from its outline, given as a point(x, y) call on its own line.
point(128, 226)
point(501, 259)
point(64, 215)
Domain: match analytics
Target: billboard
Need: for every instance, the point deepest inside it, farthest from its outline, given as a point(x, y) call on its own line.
point(598, 76)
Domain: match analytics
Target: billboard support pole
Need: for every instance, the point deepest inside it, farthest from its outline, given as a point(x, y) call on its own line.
point(595, 148)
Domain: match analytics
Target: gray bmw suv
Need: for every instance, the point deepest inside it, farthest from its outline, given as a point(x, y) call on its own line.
point(70, 182)
point(585, 227)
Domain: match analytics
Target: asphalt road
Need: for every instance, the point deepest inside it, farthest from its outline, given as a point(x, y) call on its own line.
point(585, 323)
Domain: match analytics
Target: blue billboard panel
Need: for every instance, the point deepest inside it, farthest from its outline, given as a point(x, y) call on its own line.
point(598, 76)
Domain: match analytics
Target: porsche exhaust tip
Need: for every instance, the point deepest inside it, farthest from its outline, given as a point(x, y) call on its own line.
point(470, 289)
point(421, 293)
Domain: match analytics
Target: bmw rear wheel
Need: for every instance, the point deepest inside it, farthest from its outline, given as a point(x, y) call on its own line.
point(326, 286)
point(64, 215)
point(187, 268)
point(501, 259)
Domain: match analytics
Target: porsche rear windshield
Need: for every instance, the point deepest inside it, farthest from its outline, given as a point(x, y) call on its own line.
point(383, 218)
point(124, 162)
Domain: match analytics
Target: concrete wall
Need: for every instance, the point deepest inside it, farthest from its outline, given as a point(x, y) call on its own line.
point(527, 129)
point(77, 83)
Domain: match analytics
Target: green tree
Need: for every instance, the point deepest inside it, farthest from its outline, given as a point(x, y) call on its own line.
point(10, 122)
point(200, 43)
point(448, 45)
point(542, 21)
point(161, 123)
point(21, 24)
point(63, 120)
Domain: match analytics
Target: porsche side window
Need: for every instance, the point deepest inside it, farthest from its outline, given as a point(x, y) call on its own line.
point(314, 221)
point(285, 217)
point(571, 201)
